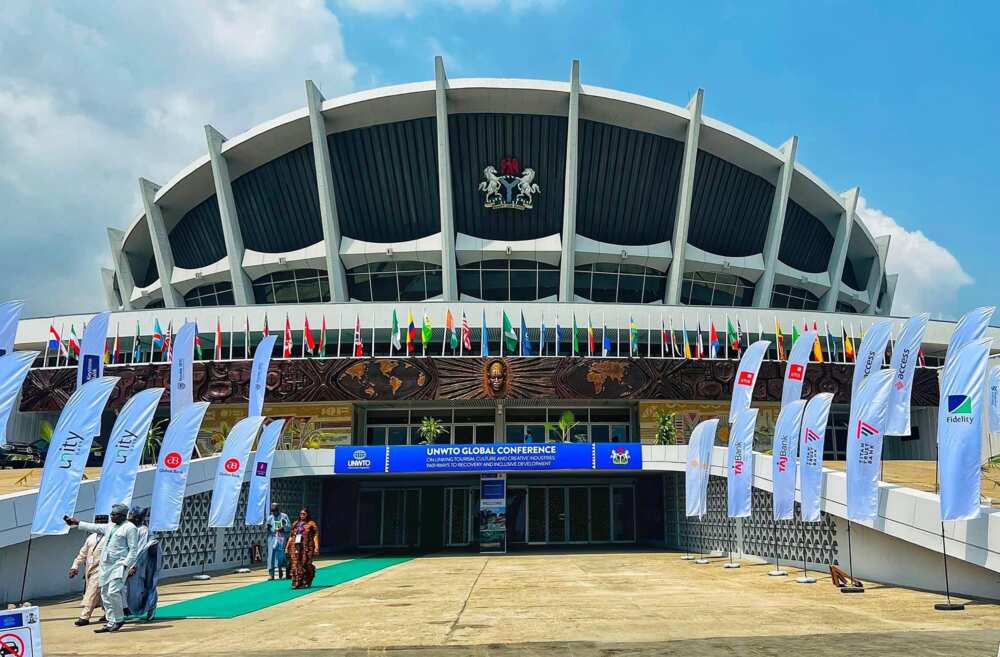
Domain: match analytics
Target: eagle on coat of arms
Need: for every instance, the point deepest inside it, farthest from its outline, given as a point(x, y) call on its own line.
point(507, 189)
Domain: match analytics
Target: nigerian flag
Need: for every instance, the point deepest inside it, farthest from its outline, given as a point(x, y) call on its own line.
point(576, 338)
point(509, 337)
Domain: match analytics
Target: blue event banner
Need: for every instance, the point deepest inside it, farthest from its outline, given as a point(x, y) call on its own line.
point(499, 457)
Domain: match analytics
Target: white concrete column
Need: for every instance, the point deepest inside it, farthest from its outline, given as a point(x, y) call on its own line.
point(449, 275)
point(567, 263)
point(108, 282)
point(682, 219)
point(161, 244)
point(327, 196)
point(123, 270)
point(242, 290)
point(841, 242)
point(776, 224)
point(874, 286)
point(890, 294)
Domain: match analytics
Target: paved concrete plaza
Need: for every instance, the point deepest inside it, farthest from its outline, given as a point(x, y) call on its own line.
point(555, 605)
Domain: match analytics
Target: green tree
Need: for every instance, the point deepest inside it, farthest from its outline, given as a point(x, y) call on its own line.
point(666, 428)
point(430, 428)
point(564, 427)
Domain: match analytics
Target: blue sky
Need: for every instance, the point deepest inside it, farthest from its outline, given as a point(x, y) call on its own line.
point(896, 98)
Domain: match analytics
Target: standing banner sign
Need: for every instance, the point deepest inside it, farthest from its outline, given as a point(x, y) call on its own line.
point(746, 377)
point(124, 451)
point(10, 315)
point(95, 341)
point(871, 353)
point(13, 369)
point(739, 465)
point(21, 632)
point(172, 468)
point(258, 375)
point(969, 329)
point(994, 401)
point(904, 362)
point(69, 448)
point(960, 430)
point(493, 512)
point(181, 369)
point(811, 454)
point(229, 472)
point(696, 471)
point(865, 431)
point(783, 458)
point(260, 480)
point(795, 370)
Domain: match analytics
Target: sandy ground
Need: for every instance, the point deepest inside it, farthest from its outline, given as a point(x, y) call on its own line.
point(22, 479)
point(555, 604)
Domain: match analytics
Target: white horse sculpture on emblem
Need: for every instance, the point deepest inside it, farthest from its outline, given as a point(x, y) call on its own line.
point(491, 185)
point(526, 187)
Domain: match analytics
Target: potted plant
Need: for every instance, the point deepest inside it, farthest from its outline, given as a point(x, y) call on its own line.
point(666, 428)
point(430, 428)
point(567, 421)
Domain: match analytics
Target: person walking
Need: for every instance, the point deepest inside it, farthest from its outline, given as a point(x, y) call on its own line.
point(141, 586)
point(89, 560)
point(278, 525)
point(302, 547)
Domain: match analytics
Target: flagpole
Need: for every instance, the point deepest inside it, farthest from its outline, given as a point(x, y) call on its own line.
point(805, 578)
point(461, 339)
point(340, 328)
point(942, 606)
point(45, 358)
point(503, 337)
point(850, 556)
point(373, 334)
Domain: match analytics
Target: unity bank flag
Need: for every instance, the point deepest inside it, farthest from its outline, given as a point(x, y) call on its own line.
point(739, 464)
point(95, 338)
point(871, 353)
point(795, 370)
point(258, 375)
point(230, 469)
point(811, 441)
point(182, 368)
point(865, 429)
point(260, 477)
point(784, 453)
point(13, 369)
point(124, 451)
point(969, 329)
point(172, 467)
point(10, 315)
point(746, 377)
point(904, 362)
point(69, 448)
point(960, 430)
point(994, 401)
point(699, 460)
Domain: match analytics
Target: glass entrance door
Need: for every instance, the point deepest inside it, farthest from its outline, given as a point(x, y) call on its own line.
point(543, 515)
point(461, 512)
point(389, 517)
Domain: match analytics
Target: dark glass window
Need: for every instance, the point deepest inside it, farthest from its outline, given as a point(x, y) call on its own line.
point(294, 286)
point(508, 280)
point(213, 294)
point(622, 283)
point(794, 298)
point(845, 307)
point(403, 280)
point(716, 289)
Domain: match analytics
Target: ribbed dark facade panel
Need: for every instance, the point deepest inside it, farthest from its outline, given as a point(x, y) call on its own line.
point(805, 242)
point(197, 238)
point(730, 208)
point(481, 140)
point(850, 277)
point(144, 271)
point(386, 182)
point(278, 204)
point(627, 186)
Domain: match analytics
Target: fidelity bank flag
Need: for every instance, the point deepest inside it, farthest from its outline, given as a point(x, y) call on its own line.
point(739, 464)
point(172, 468)
point(124, 451)
point(10, 314)
point(994, 401)
point(865, 429)
point(746, 377)
point(95, 338)
point(260, 478)
point(904, 362)
point(811, 454)
point(969, 329)
point(229, 473)
point(795, 370)
point(13, 368)
point(699, 459)
point(871, 353)
point(181, 369)
point(78, 423)
point(258, 375)
point(783, 456)
point(960, 430)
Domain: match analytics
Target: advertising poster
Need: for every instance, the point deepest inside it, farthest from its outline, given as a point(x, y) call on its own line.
point(493, 512)
point(20, 632)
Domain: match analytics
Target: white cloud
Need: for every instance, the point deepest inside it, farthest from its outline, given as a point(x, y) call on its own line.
point(410, 8)
point(929, 275)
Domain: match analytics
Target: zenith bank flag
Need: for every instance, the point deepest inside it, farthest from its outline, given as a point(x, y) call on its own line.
point(13, 368)
point(871, 353)
point(229, 473)
point(904, 362)
point(739, 464)
point(795, 371)
point(784, 454)
point(124, 451)
point(969, 329)
point(181, 369)
point(260, 477)
point(746, 377)
point(69, 448)
point(811, 441)
point(865, 429)
point(699, 459)
point(95, 338)
point(258, 375)
point(994, 401)
point(172, 468)
point(960, 430)
point(10, 315)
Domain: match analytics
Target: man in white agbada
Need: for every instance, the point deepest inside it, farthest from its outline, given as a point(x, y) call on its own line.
point(119, 550)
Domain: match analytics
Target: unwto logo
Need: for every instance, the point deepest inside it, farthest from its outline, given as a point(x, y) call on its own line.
point(359, 459)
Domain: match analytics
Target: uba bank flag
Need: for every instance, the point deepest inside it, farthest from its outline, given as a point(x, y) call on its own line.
point(795, 370)
point(172, 468)
point(865, 432)
point(229, 473)
point(739, 464)
point(746, 378)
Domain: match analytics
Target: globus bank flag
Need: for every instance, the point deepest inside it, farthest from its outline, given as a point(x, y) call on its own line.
point(960, 429)
point(865, 432)
point(260, 476)
point(746, 377)
point(783, 456)
point(904, 362)
point(813, 435)
point(739, 464)
point(699, 459)
point(124, 450)
point(229, 472)
point(172, 468)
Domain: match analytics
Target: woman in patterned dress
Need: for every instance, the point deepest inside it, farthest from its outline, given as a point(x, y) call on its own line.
point(303, 545)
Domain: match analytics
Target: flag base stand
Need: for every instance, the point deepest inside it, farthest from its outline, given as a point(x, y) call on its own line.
point(731, 564)
point(687, 557)
point(949, 606)
point(805, 579)
point(701, 562)
point(777, 573)
point(201, 578)
point(852, 589)
point(242, 571)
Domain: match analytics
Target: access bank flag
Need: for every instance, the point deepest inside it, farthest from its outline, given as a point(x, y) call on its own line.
point(969, 329)
point(865, 430)
point(746, 377)
point(699, 459)
point(95, 338)
point(13, 369)
point(124, 451)
point(229, 472)
point(181, 369)
point(904, 363)
point(871, 353)
point(69, 448)
point(960, 430)
point(10, 315)
point(172, 468)
point(260, 476)
point(739, 464)
point(258, 375)
point(783, 455)
point(811, 440)
point(795, 370)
